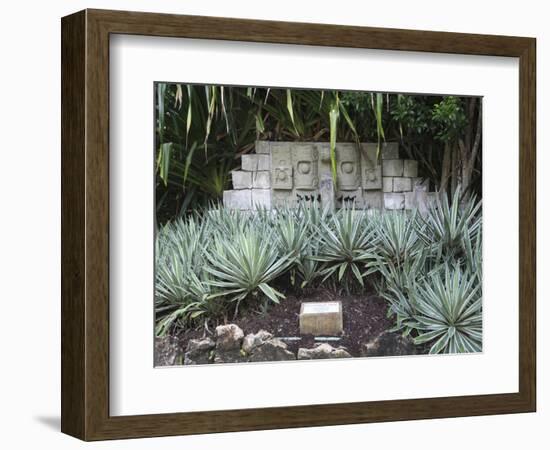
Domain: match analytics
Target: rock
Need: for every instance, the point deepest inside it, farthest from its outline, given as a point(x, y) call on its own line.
point(271, 350)
point(228, 337)
point(261, 198)
point(389, 344)
point(237, 199)
point(402, 184)
point(254, 163)
point(392, 168)
point(241, 179)
point(394, 201)
point(410, 168)
point(389, 150)
point(251, 341)
point(229, 356)
point(410, 200)
point(323, 351)
point(387, 184)
point(198, 351)
point(261, 180)
point(372, 200)
point(167, 351)
point(262, 147)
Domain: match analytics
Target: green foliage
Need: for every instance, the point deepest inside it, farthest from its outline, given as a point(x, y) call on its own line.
point(202, 130)
point(449, 225)
point(449, 117)
point(344, 242)
point(428, 269)
point(243, 266)
point(448, 311)
point(431, 274)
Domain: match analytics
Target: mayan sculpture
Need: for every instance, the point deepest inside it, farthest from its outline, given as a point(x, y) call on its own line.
point(288, 173)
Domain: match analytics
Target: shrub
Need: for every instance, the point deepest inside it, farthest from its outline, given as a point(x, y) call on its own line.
point(429, 269)
point(243, 265)
point(449, 223)
point(448, 311)
point(344, 242)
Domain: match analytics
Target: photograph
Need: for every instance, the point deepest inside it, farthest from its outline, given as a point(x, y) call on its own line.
point(303, 224)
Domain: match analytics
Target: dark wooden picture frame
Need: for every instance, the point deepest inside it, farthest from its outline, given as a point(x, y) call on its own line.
point(85, 224)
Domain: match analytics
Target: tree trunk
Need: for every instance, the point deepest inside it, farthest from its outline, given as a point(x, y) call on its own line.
point(445, 169)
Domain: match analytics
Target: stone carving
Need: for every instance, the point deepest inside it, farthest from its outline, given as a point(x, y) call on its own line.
point(281, 163)
point(368, 176)
point(306, 168)
point(348, 167)
point(371, 167)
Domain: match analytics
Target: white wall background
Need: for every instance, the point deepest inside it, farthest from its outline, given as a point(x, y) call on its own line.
point(30, 225)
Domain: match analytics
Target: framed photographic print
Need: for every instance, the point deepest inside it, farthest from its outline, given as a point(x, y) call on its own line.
point(272, 225)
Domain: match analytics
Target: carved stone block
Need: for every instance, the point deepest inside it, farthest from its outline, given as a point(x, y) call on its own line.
point(281, 167)
point(348, 167)
point(371, 169)
point(305, 164)
point(307, 196)
point(282, 198)
point(349, 199)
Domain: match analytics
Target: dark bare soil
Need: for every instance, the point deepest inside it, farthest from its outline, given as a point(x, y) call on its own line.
point(364, 318)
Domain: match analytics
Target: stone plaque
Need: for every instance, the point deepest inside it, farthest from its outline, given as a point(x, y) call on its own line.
point(305, 164)
point(321, 318)
point(371, 169)
point(281, 167)
point(348, 167)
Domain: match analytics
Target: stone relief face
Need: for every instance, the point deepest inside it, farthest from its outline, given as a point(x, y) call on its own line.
point(281, 168)
point(306, 169)
point(371, 169)
point(348, 167)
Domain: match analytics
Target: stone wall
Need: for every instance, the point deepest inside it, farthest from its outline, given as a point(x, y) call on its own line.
point(287, 173)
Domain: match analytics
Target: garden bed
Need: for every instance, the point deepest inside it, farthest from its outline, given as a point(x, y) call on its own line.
point(364, 319)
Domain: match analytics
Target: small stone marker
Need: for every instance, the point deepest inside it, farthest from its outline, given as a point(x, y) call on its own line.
point(321, 318)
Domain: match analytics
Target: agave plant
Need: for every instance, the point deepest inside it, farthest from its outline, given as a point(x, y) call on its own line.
point(344, 242)
point(396, 238)
point(198, 299)
point(179, 251)
point(398, 283)
point(243, 266)
point(448, 223)
point(449, 312)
